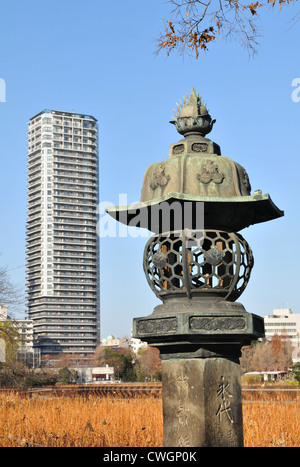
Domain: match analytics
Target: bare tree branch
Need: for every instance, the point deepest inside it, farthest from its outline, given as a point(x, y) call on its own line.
point(10, 293)
point(193, 24)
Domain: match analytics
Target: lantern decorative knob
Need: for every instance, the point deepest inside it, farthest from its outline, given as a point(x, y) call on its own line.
point(192, 116)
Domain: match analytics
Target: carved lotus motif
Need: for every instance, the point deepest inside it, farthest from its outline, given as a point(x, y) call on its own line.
point(210, 173)
point(160, 177)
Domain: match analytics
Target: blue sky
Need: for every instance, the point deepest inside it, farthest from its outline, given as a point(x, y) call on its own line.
point(98, 58)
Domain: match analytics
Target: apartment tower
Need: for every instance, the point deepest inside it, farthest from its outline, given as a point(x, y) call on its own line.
point(62, 242)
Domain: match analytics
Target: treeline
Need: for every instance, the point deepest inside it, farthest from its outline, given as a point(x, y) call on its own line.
point(267, 355)
point(128, 367)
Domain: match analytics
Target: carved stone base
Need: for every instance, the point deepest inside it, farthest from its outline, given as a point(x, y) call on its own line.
point(202, 403)
point(200, 330)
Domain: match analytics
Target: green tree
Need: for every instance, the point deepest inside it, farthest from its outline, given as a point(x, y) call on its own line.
point(121, 359)
point(149, 364)
point(37, 379)
point(12, 372)
point(67, 376)
point(9, 333)
point(296, 371)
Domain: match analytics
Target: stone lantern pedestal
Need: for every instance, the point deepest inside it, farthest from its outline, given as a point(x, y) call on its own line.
point(198, 266)
point(201, 378)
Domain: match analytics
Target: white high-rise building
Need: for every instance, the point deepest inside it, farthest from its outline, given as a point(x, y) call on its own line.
point(62, 242)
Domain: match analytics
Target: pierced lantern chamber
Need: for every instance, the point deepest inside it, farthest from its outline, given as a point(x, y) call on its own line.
point(193, 263)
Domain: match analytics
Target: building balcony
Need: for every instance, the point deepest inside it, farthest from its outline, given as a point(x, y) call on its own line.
point(33, 229)
point(33, 220)
point(34, 246)
point(34, 159)
point(34, 190)
point(33, 185)
point(33, 275)
point(33, 212)
point(34, 198)
point(32, 150)
point(33, 236)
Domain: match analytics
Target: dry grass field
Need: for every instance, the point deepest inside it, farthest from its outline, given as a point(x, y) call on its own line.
point(270, 419)
point(80, 421)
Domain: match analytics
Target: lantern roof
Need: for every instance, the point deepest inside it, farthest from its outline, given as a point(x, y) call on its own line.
point(196, 187)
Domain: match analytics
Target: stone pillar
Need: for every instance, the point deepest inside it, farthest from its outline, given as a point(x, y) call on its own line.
point(202, 404)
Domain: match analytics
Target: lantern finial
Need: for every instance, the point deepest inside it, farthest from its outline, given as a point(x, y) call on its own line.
point(192, 116)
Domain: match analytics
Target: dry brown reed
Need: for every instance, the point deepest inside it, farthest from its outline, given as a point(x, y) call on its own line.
point(270, 419)
point(80, 421)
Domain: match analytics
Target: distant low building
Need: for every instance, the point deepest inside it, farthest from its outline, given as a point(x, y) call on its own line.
point(92, 375)
point(115, 343)
point(111, 341)
point(137, 344)
point(25, 329)
point(272, 375)
point(285, 323)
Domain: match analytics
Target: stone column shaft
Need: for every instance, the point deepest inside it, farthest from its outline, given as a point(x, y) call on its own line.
point(202, 404)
